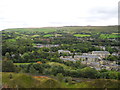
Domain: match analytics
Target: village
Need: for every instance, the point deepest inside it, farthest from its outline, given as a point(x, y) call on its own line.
point(95, 59)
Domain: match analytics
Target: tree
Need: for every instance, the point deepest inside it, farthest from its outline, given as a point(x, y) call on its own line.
point(112, 58)
point(38, 67)
point(8, 66)
point(7, 55)
point(88, 72)
point(68, 79)
point(108, 48)
point(32, 70)
point(25, 57)
point(60, 77)
point(73, 54)
point(57, 69)
point(45, 49)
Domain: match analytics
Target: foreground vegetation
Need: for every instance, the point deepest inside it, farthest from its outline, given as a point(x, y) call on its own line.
point(20, 80)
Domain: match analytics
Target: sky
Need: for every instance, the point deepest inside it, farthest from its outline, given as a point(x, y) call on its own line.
point(50, 13)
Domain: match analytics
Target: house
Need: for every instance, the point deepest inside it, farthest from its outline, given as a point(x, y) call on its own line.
point(64, 51)
point(115, 54)
point(103, 62)
point(89, 58)
point(67, 58)
point(102, 54)
point(45, 45)
point(86, 54)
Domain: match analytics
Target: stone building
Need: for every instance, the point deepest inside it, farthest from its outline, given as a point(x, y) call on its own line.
point(102, 54)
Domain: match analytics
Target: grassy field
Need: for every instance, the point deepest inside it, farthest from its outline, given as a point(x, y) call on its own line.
point(20, 80)
point(115, 33)
point(90, 29)
point(36, 36)
point(71, 29)
point(109, 36)
point(23, 63)
point(58, 35)
point(59, 64)
point(48, 35)
point(82, 35)
point(45, 29)
point(98, 83)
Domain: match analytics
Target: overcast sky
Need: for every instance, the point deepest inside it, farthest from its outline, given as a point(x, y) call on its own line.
point(44, 13)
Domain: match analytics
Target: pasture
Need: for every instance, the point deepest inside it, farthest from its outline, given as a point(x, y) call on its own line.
point(45, 29)
point(103, 36)
point(23, 63)
point(81, 35)
point(48, 35)
point(69, 29)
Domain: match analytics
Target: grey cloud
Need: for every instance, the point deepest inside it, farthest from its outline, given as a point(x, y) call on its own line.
point(106, 12)
point(101, 13)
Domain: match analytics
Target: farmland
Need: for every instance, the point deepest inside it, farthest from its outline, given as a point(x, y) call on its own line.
point(23, 63)
point(109, 36)
point(48, 35)
point(86, 29)
point(46, 30)
point(81, 35)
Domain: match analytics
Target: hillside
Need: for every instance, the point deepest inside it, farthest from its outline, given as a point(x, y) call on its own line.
point(69, 29)
point(27, 81)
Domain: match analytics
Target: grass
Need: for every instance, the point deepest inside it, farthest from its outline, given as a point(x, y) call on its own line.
point(71, 29)
point(35, 35)
point(45, 29)
point(90, 29)
point(23, 63)
point(11, 40)
point(97, 83)
point(103, 36)
point(58, 35)
point(59, 64)
point(115, 33)
point(48, 35)
point(20, 80)
point(82, 35)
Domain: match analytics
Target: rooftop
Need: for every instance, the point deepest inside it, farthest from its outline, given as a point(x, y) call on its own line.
point(105, 52)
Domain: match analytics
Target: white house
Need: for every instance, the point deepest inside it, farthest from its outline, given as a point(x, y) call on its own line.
point(64, 51)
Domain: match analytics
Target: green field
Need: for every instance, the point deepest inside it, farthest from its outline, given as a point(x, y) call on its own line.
point(115, 33)
point(35, 35)
point(59, 64)
point(70, 29)
point(103, 36)
point(45, 29)
point(82, 35)
point(48, 35)
point(58, 35)
point(90, 29)
point(23, 63)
